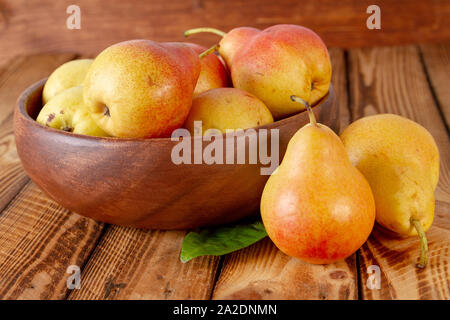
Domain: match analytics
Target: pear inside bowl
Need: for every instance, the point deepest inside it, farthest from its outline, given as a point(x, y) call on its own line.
point(139, 182)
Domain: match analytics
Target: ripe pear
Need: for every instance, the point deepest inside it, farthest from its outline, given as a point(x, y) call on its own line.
point(213, 73)
point(227, 109)
point(142, 88)
point(68, 75)
point(231, 42)
point(317, 206)
point(276, 61)
point(400, 160)
point(67, 111)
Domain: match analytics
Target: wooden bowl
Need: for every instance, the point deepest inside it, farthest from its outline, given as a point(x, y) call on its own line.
point(134, 182)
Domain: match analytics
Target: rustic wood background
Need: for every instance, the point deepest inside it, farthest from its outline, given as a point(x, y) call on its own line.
point(31, 26)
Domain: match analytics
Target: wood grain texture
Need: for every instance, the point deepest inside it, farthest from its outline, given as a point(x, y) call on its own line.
point(437, 62)
point(39, 240)
point(400, 278)
point(20, 72)
point(130, 263)
point(15, 76)
point(392, 80)
point(339, 80)
point(12, 176)
point(37, 26)
point(263, 272)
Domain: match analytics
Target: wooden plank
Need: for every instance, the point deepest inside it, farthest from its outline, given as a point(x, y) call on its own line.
point(339, 80)
point(393, 80)
point(39, 240)
point(263, 272)
point(12, 176)
point(35, 26)
point(400, 279)
point(21, 72)
point(7, 70)
point(437, 62)
point(130, 263)
point(15, 76)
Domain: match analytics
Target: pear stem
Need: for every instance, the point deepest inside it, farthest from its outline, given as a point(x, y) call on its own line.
point(209, 51)
point(187, 33)
point(312, 118)
point(423, 243)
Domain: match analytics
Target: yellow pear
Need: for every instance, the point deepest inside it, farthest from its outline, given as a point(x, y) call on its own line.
point(67, 111)
point(317, 206)
point(227, 109)
point(142, 88)
point(400, 160)
point(66, 76)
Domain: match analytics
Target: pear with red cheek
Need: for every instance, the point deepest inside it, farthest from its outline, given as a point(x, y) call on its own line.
point(213, 73)
point(141, 88)
point(276, 62)
point(231, 42)
point(317, 206)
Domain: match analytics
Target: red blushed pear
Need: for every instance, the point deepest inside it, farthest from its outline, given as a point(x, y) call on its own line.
point(231, 42)
point(317, 206)
point(213, 73)
point(274, 62)
point(141, 88)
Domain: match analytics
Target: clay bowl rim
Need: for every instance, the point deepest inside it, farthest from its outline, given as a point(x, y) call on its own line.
point(24, 97)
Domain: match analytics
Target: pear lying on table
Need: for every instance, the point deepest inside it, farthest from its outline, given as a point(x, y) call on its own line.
point(400, 160)
point(67, 111)
point(68, 75)
point(317, 206)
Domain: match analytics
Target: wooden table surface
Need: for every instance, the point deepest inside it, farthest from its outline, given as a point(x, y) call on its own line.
point(39, 239)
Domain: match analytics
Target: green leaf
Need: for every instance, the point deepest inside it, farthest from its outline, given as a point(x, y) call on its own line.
point(221, 240)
